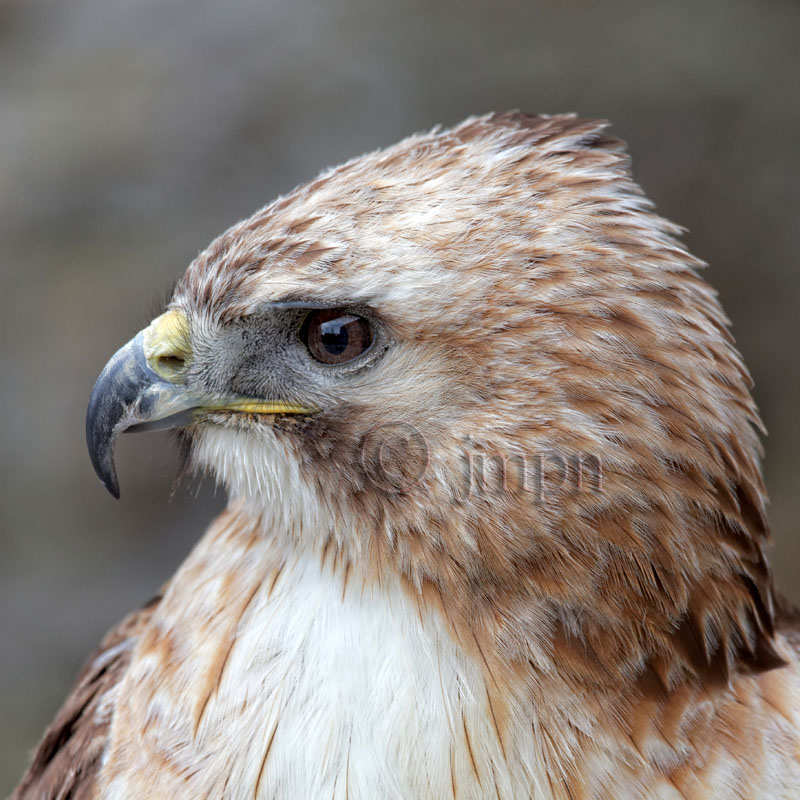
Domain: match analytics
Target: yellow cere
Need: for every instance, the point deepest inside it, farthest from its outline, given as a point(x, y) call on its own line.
point(167, 345)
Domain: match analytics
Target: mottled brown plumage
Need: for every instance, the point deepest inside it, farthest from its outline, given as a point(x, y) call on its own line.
point(609, 634)
point(66, 761)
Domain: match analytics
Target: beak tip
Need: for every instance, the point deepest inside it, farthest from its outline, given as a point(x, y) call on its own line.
point(104, 468)
point(112, 485)
point(100, 438)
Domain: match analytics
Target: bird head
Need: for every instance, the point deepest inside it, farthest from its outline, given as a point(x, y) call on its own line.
point(479, 361)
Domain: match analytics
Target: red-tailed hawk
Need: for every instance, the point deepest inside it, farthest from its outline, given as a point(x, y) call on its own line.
point(496, 522)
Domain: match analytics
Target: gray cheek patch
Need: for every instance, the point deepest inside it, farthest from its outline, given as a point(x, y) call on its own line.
point(259, 356)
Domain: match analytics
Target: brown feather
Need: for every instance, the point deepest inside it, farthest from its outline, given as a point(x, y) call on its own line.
point(66, 762)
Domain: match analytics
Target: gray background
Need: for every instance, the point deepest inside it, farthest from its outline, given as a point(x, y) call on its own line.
point(133, 131)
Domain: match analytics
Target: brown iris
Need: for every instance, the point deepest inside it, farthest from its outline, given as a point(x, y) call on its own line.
point(334, 336)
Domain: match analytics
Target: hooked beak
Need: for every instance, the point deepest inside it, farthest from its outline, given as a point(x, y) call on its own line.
point(143, 388)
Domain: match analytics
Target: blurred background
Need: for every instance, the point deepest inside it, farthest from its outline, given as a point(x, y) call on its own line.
point(133, 131)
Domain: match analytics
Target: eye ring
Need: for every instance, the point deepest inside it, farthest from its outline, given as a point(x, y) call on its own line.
point(335, 335)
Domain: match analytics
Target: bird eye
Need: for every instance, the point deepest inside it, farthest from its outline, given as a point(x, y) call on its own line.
point(334, 336)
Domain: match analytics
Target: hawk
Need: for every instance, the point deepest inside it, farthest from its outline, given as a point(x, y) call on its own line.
point(496, 521)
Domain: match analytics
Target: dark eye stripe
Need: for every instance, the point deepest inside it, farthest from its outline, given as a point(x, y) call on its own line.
point(334, 336)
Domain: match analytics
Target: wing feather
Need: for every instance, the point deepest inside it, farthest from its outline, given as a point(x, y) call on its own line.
point(66, 762)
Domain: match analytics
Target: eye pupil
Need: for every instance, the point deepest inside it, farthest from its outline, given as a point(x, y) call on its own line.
point(335, 336)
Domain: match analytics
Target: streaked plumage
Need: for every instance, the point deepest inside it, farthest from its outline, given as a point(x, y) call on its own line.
point(332, 636)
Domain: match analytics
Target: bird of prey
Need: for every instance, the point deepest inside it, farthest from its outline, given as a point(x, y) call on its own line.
point(496, 520)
